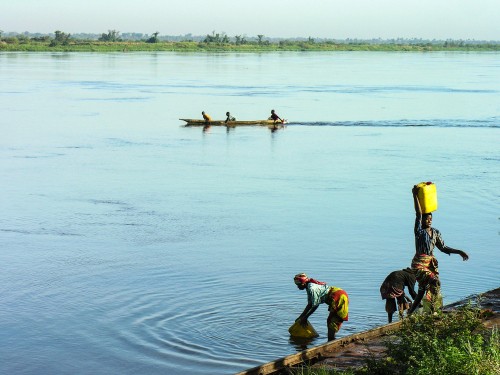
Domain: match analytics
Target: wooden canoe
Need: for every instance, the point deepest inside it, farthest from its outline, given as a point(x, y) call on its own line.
point(198, 122)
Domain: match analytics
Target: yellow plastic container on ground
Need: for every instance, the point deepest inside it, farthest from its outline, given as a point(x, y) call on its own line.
point(427, 196)
point(307, 332)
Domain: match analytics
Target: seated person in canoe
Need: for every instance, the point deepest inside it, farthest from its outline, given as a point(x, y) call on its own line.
point(274, 116)
point(206, 117)
point(229, 117)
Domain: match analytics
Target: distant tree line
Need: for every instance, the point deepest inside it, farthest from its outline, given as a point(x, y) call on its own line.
point(62, 38)
point(113, 40)
point(221, 38)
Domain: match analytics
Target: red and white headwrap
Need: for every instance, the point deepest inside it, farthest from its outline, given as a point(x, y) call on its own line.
point(302, 279)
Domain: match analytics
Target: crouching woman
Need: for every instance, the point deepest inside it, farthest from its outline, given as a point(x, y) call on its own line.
point(319, 292)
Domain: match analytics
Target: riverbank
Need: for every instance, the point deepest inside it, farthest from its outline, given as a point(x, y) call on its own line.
point(353, 351)
point(52, 45)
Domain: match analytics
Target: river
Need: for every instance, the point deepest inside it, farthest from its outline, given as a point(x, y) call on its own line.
point(132, 244)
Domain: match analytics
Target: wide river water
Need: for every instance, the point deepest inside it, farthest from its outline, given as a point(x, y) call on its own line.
point(133, 245)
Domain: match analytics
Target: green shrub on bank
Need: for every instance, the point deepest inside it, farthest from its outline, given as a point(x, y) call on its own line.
point(454, 343)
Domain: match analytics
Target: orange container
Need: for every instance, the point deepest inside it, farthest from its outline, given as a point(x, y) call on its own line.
point(427, 196)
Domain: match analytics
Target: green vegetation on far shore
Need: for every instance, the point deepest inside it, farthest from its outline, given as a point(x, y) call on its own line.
point(113, 42)
point(97, 46)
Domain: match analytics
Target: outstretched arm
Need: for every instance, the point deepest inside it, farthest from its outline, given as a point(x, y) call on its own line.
point(308, 311)
point(450, 250)
point(416, 301)
point(411, 290)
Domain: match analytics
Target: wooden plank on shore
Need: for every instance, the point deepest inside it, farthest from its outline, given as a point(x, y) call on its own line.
point(318, 352)
point(490, 301)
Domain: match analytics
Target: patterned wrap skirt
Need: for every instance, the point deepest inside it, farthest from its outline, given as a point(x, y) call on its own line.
point(427, 274)
point(390, 293)
point(387, 291)
point(338, 302)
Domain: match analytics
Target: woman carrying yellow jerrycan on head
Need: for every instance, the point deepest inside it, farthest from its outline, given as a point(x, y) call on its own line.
point(424, 263)
point(319, 292)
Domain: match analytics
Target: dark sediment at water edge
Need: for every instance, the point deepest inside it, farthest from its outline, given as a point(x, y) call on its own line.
point(353, 350)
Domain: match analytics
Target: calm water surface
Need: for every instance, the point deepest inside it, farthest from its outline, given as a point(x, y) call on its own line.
point(131, 244)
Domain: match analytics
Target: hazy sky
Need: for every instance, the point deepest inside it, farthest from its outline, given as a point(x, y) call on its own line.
point(429, 19)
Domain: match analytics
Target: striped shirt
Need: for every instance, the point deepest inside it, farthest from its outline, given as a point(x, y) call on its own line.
point(424, 244)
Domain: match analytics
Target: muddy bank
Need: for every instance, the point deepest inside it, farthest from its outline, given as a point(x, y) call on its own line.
point(353, 350)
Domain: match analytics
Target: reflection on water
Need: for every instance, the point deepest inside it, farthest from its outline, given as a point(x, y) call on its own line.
point(301, 343)
point(132, 244)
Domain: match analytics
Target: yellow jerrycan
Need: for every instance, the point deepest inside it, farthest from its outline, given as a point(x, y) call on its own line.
point(307, 332)
point(427, 196)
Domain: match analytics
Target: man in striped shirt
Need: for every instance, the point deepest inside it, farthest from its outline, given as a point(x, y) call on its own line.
point(424, 262)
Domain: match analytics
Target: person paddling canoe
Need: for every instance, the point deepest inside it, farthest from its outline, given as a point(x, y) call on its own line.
point(229, 117)
point(274, 116)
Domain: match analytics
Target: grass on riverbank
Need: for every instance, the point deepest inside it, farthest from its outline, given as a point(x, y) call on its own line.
point(454, 343)
point(29, 45)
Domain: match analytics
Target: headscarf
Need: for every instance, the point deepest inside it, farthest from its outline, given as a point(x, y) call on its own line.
point(302, 279)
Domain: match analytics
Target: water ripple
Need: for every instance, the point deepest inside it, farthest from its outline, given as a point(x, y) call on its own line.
point(437, 123)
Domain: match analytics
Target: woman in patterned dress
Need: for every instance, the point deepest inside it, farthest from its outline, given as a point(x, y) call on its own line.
point(319, 292)
point(424, 262)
